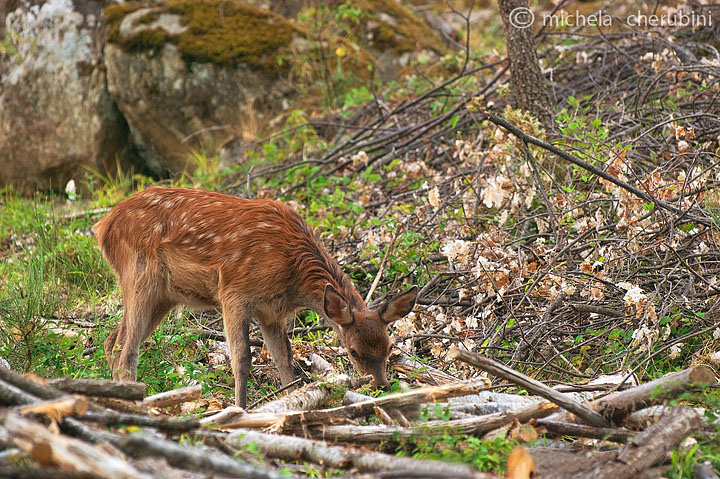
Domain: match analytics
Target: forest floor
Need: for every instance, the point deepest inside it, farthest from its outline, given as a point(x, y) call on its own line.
point(586, 257)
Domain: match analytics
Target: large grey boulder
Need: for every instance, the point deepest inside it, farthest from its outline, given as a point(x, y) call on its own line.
point(57, 120)
point(176, 101)
point(189, 75)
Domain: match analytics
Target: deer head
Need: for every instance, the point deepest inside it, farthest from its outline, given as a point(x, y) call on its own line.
point(363, 331)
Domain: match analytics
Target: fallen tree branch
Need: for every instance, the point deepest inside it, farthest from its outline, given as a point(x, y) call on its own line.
point(133, 391)
point(281, 421)
point(649, 447)
point(475, 425)
point(596, 171)
point(139, 446)
point(319, 452)
point(175, 396)
point(618, 405)
point(66, 452)
point(165, 423)
point(533, 386)
point(28, 385)
point(560, 428)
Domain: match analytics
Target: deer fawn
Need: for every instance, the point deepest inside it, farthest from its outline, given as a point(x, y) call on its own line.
point(251, 258)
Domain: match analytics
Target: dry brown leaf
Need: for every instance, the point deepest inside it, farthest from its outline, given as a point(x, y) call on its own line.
point(521, 465)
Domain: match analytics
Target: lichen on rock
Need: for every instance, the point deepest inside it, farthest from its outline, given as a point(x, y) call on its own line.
point(57, 120)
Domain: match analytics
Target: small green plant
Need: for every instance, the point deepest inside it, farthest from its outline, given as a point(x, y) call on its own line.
point(108, 190)
point(320, 61)
point(27, 300)
point(484, 455)
point(589, 139)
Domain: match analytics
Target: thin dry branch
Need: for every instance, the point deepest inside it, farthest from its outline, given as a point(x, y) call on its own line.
point(618, 405)
point(596, 171)
point(533, 386)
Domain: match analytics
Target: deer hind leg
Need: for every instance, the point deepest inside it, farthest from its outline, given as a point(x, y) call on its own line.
point(274, 331)
point(123, 346)
point(145, 306)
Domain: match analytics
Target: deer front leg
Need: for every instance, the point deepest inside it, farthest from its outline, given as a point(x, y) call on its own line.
point(237, 329)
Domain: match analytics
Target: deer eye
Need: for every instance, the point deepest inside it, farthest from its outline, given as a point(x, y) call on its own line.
point(353, 353)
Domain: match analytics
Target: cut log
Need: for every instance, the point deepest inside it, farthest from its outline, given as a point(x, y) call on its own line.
point(121, 405)
point(476, 425)
point(133, 391)
point(165, 423)
point(227, 416)
point(513, 400)
point(559, 428)
point(23, 472)
point(299, 449)
point(140, 446)
point(11, 395)
point(320, 366)
point(351, 397)
point(704, 471)
point(280, 421)
point(66, 452)
point(310, 396)
point(397, 401)
point(561, 463)
point(173, 397)
point(619, 405)
point(29, 385)
point(536, 387)
point(68, 425)
point(649, 447)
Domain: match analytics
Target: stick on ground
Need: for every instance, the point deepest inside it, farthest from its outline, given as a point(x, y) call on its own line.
point(533, 386)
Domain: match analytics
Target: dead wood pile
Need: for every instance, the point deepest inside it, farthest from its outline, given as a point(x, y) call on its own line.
point(59, 429)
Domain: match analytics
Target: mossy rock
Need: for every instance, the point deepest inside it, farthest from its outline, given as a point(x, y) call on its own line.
point(397, 28)
point(216, 31)
point(227, 32)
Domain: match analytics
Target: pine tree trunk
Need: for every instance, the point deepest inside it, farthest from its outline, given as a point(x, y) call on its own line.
point(527, 83)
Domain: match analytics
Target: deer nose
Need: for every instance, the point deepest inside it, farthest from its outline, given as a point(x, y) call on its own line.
point(383, 386)
point(380, 381)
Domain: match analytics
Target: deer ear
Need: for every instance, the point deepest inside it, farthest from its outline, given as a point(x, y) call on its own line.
point(399, 306)
point(336, 309)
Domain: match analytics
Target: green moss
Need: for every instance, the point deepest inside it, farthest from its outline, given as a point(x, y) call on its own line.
point(147, 18)
point(113, 18)
point(146, 39)
point(230, 32)
point(219, 31)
